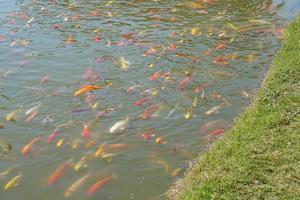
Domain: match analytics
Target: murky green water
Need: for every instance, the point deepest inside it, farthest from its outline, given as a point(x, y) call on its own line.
point(194, 66)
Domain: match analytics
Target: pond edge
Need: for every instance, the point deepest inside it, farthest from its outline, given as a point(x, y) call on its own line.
point(259, 158)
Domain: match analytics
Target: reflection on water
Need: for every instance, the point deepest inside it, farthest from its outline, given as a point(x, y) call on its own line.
point(109, 99)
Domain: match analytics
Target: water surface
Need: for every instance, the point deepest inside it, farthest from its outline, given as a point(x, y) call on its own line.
point(194, 64)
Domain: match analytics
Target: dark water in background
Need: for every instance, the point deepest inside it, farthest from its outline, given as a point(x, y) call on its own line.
point(206, 55)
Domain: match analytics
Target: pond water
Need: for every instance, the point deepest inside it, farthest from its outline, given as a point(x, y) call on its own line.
point(160, 81)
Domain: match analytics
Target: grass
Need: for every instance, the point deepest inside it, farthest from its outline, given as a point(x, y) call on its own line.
point(259, 158)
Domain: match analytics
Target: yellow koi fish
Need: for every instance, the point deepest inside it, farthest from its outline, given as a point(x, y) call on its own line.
point(124, 63)
point(13, 182)
point(99, 152)
point(60, 142)
point(11, 116)
point(81, 163)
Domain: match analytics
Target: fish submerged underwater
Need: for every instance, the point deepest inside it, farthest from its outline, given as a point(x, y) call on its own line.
point(110, 99)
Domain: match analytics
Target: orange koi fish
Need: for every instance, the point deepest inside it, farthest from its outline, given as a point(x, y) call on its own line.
point(28, 147)
point(88, 88)
point(56, 175)
point(70, 40)
point(96, 186)
point(220, 46)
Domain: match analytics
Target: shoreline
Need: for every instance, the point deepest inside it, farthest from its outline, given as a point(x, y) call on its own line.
point(259, 157)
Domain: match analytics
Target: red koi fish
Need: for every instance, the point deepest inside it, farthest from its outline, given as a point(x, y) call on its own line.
point(97, 39)
point(149, 111)
point(140, 101)
point(86, 133)
point(217, 131)
point(52, 136)
point(183, 83)
point(56, 175)
point(148, 133)
point(56, 26)
point(130, 90)
point(154, 76)
point(28, 147)
point(96, 186)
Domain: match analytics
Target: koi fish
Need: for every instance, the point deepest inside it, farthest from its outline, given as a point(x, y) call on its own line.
point(160, 140)
point(70, 40)
point(194, 31)
point(164, 164)
point(115, 146)
point(140, 101)
point(52, 136)
point(124, 63)
point(31, 110)
point(220, 46)
point(119, 126)
point(28, 147)
point(4, 173)
point(149, 111)
point(56, 175)
point(183, 83)
point(13, 182)
point(76, 185)
point(97, 39)
point(221, 60)
point(148, 133)
point(210, 124)
point(188, 114)
point(176, 171)
point(60, 142)
point(86, 133)
point(217, 131)
point(149, 52)
point(97, 185)
point(213, 110)
point(30, 118)
point(172, 46)
point(99, 152)
point(88, 88)
point(11, 116)
point(154, 76)
point(81, 163)
point(195, 102)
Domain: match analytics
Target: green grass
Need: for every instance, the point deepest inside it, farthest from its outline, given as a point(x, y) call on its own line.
point(260, 157)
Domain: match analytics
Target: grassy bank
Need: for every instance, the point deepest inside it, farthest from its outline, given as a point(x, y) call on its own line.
point(260, 157)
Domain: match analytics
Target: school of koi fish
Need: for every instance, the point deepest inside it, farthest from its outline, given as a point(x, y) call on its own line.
point(110, 99)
